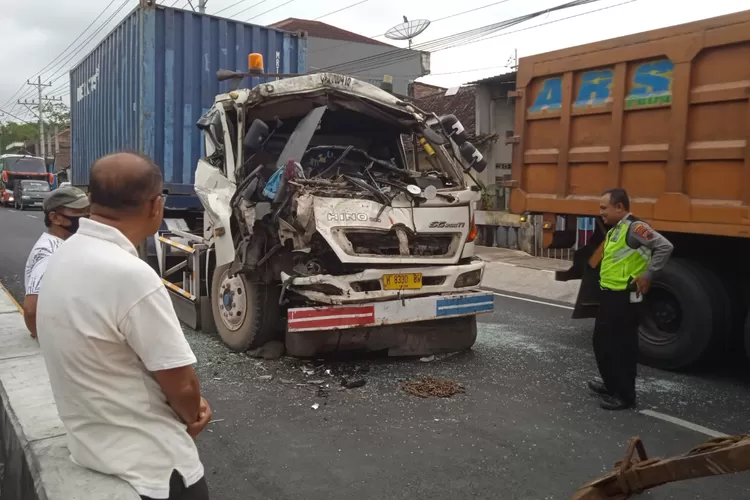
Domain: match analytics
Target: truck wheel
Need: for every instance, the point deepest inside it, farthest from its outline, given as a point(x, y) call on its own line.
point(246, 314)
point(679, 325)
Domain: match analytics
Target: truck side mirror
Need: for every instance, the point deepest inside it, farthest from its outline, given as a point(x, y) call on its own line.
point(453, 128)
point(255, 136)
point(473, 156)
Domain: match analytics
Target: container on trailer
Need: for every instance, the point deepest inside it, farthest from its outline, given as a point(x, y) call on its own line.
point(146, 84)
point(663, 114)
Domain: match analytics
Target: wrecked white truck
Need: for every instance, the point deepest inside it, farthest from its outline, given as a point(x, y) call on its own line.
point(337, 218)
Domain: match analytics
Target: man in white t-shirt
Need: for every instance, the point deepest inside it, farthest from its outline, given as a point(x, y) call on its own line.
point(63, 209)
point(119, 365)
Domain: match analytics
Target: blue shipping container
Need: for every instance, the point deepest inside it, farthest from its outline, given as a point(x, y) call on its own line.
point(147, 83)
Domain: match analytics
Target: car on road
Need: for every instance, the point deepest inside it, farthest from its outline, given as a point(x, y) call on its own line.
point(30, 194)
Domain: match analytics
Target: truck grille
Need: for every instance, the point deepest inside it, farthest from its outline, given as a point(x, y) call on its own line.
point(389, 244)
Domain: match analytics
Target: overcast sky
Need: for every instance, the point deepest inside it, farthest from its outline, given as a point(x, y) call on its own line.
point(34, 32)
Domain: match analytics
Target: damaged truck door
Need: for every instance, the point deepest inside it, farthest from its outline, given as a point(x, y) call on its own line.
point(330, 236)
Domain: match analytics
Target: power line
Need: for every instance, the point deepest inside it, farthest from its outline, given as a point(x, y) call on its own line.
point(20, 89)
point(468, 11)
point(61, 66)
point(452, 16)
point(342, 9)
point(15, 117)
point(271, 10)
point(236, 4)
point(443, 43)
point(581, 14)
point(247, 8)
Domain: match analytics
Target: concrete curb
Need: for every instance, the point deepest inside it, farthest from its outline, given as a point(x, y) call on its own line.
point(37, 461)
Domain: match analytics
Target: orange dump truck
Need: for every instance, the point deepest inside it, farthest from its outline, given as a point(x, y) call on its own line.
point(666, 115)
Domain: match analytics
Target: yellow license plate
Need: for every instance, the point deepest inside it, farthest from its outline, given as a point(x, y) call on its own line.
point(408, 281)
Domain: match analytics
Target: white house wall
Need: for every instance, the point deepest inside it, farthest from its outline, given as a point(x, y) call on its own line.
point(495, 115)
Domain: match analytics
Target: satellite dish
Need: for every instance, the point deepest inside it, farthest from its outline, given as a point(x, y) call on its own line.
point(408, 30)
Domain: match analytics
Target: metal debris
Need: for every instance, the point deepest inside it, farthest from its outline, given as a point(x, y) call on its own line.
point(353, 384)
point(432, 387)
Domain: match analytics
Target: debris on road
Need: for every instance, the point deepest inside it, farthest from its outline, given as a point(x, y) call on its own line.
point(427, 359)
point(432, 387)
point(316, 382)
point(270, 351)
point(353, 384)
point(315, 406)
point(286, 381)
point(266, 377)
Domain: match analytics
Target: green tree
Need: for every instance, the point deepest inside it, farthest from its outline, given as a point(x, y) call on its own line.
point(56, 114)
point(17, 132)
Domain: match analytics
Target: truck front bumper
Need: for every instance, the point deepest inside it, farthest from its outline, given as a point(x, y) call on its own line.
point(391, 312)
point(367, 286)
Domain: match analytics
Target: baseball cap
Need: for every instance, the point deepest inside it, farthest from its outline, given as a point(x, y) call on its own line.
point(65, 196)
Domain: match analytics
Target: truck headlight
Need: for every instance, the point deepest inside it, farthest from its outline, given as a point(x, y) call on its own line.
point(472, 278)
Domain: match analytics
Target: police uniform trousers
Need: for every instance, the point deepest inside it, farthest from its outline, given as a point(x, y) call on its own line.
point(616, 343)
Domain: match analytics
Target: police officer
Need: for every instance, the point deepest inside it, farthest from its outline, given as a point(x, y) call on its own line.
point(633, 251)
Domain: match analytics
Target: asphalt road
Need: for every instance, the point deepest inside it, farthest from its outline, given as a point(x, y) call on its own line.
point(18, 233)
point(525, 428)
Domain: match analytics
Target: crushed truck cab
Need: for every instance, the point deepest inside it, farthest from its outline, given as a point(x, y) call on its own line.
point(340, 217)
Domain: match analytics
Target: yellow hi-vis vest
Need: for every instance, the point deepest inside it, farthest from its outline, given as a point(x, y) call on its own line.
point(620, 263)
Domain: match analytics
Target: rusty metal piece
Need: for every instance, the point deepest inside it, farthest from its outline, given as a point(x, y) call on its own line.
point(725, 455)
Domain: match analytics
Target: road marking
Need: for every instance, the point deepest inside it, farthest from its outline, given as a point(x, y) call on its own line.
point(533, 301)
point(7, 292)
point(32, 216)
point(683, 423)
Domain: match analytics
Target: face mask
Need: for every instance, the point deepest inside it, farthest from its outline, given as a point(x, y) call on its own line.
point(75, 222)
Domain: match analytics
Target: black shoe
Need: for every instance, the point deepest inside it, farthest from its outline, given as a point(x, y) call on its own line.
point(598, 387)
point(615, 404)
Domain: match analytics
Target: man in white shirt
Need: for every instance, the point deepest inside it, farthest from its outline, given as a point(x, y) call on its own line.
point(119, 365)
point(63, 208)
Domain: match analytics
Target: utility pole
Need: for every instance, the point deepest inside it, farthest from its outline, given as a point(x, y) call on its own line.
point(40, 100)
point(513, 60)
point(202, 6)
